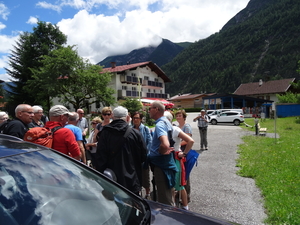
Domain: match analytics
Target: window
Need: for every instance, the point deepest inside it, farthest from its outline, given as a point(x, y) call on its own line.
point(134, 88)
point(124, 87)
point(146, 78)
point(153, 91)
point(156, 79)
point(133, 75)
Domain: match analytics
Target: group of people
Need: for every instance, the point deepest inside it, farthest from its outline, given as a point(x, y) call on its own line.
point(121, 143)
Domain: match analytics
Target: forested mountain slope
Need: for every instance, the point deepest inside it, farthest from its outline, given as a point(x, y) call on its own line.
point(260, 42)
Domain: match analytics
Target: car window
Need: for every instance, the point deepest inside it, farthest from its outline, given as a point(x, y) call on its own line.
point(231, 114)
point(46, 188)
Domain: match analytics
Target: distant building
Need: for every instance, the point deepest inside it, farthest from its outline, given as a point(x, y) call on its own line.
point(266, 90)
point(188, 100)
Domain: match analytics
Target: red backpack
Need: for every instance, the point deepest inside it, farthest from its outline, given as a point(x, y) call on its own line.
point(41, 135)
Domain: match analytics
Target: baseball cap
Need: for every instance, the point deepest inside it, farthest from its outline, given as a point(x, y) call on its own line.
point(59, 110)
point(203, 110)
point(120, 112)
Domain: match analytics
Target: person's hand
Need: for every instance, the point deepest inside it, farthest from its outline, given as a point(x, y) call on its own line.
point(181, 155)
point(170, 149)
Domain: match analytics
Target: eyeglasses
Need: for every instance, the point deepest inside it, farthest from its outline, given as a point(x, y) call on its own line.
point(136, 118)
point(106, 114)
point(28, 112)
point(94, 123)
point(81, 113)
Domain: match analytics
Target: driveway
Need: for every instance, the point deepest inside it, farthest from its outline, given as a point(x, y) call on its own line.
point(216, 189)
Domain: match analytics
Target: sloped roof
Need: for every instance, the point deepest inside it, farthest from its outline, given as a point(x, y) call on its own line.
point(190, 96)
point(269, 87)
point(151, 65)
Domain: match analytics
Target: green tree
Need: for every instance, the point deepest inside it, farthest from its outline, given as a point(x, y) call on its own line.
point(74, 80)
point(132, 104)
point(27, 55)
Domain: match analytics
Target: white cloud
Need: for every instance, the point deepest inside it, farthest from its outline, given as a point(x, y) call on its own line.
point(4, 12)
point(2, 26)
point(99, 36)
point(32, 20)
point(46, 5)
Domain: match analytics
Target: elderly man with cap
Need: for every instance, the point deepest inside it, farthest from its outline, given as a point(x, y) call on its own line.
point(63, 139)
point(123, 150)
point(203, 121)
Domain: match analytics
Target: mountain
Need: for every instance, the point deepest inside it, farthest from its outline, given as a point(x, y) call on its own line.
point(261, 42)
point(160, 55)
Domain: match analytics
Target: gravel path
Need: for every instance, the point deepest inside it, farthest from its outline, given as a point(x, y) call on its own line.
point(216, 189)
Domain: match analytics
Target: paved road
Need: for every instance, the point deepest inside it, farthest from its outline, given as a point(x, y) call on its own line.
point(216, 189)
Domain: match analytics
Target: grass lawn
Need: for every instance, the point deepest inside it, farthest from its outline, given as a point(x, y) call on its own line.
point(274, 164)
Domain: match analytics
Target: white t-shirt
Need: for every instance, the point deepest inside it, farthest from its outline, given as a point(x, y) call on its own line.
point(176, 131)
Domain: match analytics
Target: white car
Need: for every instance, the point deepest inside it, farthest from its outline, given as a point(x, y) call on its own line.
point(227, 117)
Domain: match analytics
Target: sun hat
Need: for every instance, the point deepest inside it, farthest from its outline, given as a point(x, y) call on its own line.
point(59, 110)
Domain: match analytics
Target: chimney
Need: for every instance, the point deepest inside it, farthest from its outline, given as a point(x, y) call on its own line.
point(113, 64)
point(260, 82)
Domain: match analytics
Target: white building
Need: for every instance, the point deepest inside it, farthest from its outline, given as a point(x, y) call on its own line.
point(139, 80)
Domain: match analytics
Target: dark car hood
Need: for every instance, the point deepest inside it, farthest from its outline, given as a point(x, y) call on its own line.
point(164, 214)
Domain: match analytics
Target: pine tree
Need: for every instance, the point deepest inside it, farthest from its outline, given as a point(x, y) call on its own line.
point(27, 55)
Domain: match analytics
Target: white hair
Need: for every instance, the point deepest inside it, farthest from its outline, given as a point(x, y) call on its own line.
point(37, 108)
point(168, 115)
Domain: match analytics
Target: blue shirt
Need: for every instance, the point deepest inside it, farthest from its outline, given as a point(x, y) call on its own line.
point(160, 130)
point(76, 131)
point(145, 132)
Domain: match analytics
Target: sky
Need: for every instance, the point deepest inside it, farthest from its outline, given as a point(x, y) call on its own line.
point(102, 28)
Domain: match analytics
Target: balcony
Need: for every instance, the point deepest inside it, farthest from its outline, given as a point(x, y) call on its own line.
point(130, 79)
point(135, 94)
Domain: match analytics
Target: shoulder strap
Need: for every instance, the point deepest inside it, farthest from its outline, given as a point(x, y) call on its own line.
point(53, 130)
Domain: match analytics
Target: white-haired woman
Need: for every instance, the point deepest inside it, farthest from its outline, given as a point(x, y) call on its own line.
point(177, 136)
point(37, 117)
point(3, 117)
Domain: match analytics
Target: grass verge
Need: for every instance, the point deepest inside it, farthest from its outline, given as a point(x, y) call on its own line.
point(274, 164)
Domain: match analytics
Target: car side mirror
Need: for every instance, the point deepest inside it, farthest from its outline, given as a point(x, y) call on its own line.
point(110, 174)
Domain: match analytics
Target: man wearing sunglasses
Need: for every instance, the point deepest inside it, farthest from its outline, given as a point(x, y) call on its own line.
point(19, 126)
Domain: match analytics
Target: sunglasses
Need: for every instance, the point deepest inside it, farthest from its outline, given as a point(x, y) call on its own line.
point(106, 114)
point(93, 123)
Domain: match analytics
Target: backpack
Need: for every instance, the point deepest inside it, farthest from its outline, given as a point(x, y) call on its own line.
point(41, 135)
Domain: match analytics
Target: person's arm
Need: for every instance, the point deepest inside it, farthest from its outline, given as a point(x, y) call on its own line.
point(95, 135)
point(189, 144)
point(195, 119)
point(72, 145)
point(164, 147)
point(188, 130)
point(80, 144)
point(148, 138)
point(84, 132)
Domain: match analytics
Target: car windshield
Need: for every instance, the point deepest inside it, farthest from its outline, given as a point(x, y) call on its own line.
point(44, 187)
